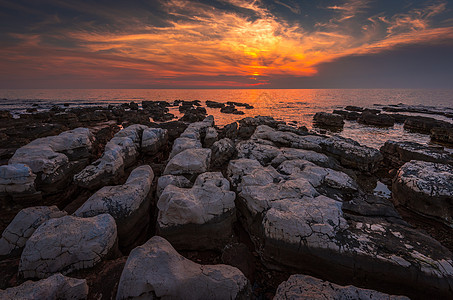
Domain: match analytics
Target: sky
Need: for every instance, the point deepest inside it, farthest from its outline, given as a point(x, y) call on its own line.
point(226, 44)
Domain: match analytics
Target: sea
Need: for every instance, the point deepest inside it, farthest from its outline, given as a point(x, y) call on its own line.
point(290, 105)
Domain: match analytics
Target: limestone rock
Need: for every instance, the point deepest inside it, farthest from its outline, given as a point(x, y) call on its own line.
point(284, 138)
point(210, 137)
point(128, 204)
point(327, 119)
point(397, 153)
point(424, 124)
point(24, 224)
point(120, 152)
point(184, 143)
point(179, 181)
point(382, 120)
point(199, 217)
point(156, 270)
point(16, 179)
point(426, 188)
point(255, 150)
point(53, 288)
point(190, 161)
point(153, 140)
point(66, 244)
point(306, 287)
point(443, 135)
point(222, 151)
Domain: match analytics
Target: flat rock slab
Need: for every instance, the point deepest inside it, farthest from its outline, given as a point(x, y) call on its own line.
point(24, 224)
point(156, 270)
point(66, 244)
point(426, 188)
point(200, 217)
point(190, 161)
point(306, 287)
point(128, 204)
point(53, 288)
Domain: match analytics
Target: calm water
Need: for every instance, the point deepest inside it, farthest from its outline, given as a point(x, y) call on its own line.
point(287, 105)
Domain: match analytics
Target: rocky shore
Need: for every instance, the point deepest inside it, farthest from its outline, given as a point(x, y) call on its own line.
point(122, 203)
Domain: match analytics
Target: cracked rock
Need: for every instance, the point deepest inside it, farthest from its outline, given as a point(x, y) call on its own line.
point(153, 140)
point(190, 161)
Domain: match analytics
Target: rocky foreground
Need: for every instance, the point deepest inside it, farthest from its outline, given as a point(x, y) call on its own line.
point(254, 210)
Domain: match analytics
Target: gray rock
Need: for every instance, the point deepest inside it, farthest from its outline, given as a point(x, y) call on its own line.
point(426, 188)
point(222, 151)
point(128, 204)
point(256, 150)
point(382, 120)
point(284, 138)
point(397, 153)
point(156, 270)
point(24, 224)
point(424, 124)
point(120, 152)
point(190, 161)
point(327, 119)
point(153, 140)
point(312, 156)
point(200, 217)
point(66, 244)
point(306, 287)
point(179, 181)
point(443, 135)
point(210, 137)
point(17, 179)
point(184, 143)
point(53, 288)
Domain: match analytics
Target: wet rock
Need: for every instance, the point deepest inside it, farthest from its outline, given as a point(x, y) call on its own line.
point(214, 104)
point(190, 161)
point(302, 130)
point(133, 105)
point(245, 105)
point(230, 109)
point(200, 217)
point(222, 151)
point(128, 204)
point(194, 115)
point(397, 153)
point(155, 269)
point(53, 288)
point(179, 181)
point(306, 287)
point(426, 188)
point(327, 119)
point(443, 135)
point(120, 152)
point(354, 108)
point(210, 137)
point(24, 224)
point(158, 110)
point(424, 124)
point(66, 244)
point(383, 120)
point(229, 131)
point(153, 140)
point(399, 118)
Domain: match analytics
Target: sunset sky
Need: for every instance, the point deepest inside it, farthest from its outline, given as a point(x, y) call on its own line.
point(226, 43)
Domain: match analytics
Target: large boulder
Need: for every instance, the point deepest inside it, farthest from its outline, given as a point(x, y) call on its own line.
point(306, 287)
point(53, 288)
point(200, 217)
point(17, 180)
point(156, 270)
point(426, 188)
point(179, 181)
point(328, 120)
point(397, 153)
point(24, 224)
point(128, 204)
point(222, 151)
point(424, 124)
point(285, 138)
point(296, 227)
point(66, 244)
point(190, 161)
point(120, 152)
point(153, 140)
point(248, 125)
point(184, 143)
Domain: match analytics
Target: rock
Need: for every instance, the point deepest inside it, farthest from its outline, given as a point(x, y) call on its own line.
point(214, 104)
point(194, 115)
point(326, 119)
point(284, 139)
point(17, 179)
point(128, 204)
point(153, 140)
point(426, 188)
point(190, 161)
point(443, 135)
point(383, 120)
point(239, 255)
point(156, 270)
point(4, 114)
point(120, 152)
point(255, 150)
point(248, 125)
point(312, 156)
point(302, 130)
point(296, 228)
point(348, 115)
point(24, 224)
point(184, 143)
point(354, 108)
point(397, 153)
point(53, 288)
point(133, 105)
point(210, 137)
point(222, 151)
point(246, 105)
point(66, 244)
point(179, 181)
point(424, 124)
point(197, 130)
point(200, 217)
point(230, 109)
point(306, 287)
point(230, 131)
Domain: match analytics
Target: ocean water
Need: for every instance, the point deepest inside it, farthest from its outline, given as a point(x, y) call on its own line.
point(290, 105)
